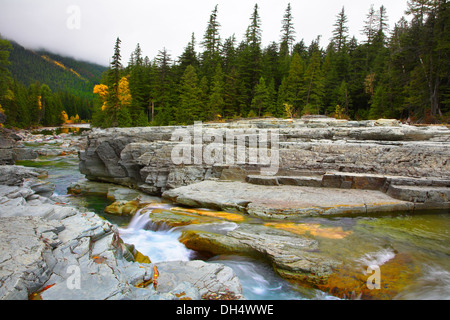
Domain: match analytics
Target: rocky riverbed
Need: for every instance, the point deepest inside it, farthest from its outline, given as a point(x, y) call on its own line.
point(326, 168)
point(52, 249)
point(347, 196)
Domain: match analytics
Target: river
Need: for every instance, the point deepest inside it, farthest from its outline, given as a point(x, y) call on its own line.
point(420, 241)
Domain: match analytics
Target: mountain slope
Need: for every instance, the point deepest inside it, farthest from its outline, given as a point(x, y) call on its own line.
point(59, 73)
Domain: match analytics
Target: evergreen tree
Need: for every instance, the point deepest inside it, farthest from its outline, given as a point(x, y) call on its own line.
point(272, 109)
point(293, 85)
point(340, 33)
point(139, 86)
point(314, 84)
point(190, 108)
point(229, 54)
point(382, 20)
point(250, 60)
point(370, 25)
point(287, 33)
point(189, 56)
point(34, 103)
point(163, 89)
point(114, 75)
point(231, 94)
point(216, 100)
point(50, 106)
point(343, 98)
point(211, 43)
point(271, 63)
point(113, 78)
point(5, 78)
point(261, 100)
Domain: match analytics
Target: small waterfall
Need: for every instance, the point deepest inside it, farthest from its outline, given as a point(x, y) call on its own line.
point(159, 244)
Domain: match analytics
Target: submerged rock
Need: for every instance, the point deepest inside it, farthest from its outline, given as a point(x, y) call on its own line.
point(126, 208)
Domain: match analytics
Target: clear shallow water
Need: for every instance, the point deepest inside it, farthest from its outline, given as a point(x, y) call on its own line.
point(62, 171)
point(376, 239)
point(259, 281)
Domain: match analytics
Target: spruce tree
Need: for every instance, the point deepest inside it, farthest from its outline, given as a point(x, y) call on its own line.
point(231, 94)
point(216, 99)
point(314, 84)
point(250, 60)
point(340, 33)
point(190, 108)
point(293, 85)
point(287, 33)
point(189, 55)
point(114, 75)
point(211, 44)
point(261, 99)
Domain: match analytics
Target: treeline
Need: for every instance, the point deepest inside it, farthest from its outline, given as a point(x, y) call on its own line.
point(36, 105)
point(400, 73)
point(27, 102)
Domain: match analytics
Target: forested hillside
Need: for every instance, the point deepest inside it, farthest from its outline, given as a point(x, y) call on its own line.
point(59, 73)
point(399, 70)
point(40, 85)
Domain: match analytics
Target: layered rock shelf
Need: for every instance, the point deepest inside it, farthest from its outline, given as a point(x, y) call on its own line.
point(332, 166)
point(10, 148)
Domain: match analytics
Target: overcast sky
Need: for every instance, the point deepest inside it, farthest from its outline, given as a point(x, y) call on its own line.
point(87, 29)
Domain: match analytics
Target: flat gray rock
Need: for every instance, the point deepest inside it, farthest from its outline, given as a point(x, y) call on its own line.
point(208, 278)
point(283, 201)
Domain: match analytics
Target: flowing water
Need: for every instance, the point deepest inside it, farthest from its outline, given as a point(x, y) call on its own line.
point(258, 280)
point(420, 241)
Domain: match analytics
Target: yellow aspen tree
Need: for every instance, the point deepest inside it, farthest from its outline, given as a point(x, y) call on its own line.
point(102, 91)
point(64, 117)
point(124, 92)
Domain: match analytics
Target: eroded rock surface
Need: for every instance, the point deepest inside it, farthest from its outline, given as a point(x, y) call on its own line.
point(323, 153)
point(51, 251)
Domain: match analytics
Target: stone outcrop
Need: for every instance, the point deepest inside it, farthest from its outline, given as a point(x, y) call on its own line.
point(406, 163)
point(52, 251)
point(220, 282)
point(292, 256)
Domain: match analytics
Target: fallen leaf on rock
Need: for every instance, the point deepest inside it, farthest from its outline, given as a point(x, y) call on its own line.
point(98, 259)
